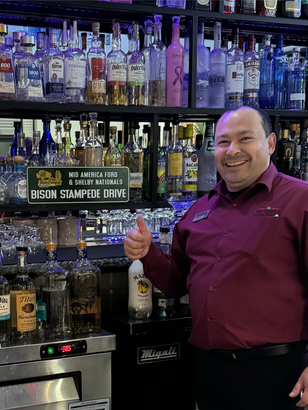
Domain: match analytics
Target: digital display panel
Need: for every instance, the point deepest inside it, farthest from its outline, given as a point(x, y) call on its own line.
point(66, 348)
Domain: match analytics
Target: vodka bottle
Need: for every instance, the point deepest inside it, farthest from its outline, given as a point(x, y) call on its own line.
point(146, 50)
point(5, 308)
point(17, 183)
point(40, 53)
point(296, 83)
point(7, 77)
point(175, 166)
point(23, 301)
point(251, 75)
point(54, 71)
point(74, 69)
point(17, 130)
point(207, 174)
point(281, 66)
point(116, 69)
point(235, 73)
point(80, 150)
point(52, 297)
point(267, 77)
point(94, 150)
point(291, 8)
point(135, 71)
point(63, 42)
point(67, 159)
point(186, 67)
point(96, 69)
point(203, 66)
point(139, 292)
point(190, 167)
point(217, 71)
point(175, 67)
point(113, 154)
point(47, 147)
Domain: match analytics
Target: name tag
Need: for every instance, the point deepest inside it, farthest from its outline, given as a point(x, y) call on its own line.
point(202, 215)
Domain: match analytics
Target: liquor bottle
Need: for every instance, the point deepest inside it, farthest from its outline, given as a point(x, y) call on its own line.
point(291, 8)
point(74, 69)
point(286, 149)
point(139, 292)
point(135, 71)
point(267, 75)
point(133, 159)
point(281, 66)
point(96, 69)
point(146, 172)
point(162, 167)
point(84, 42)
point(17, 183)
point(146, 51)
point(249, 7)
point(94, 150)
point(19, 52)
point(235, 73)
point(17, 130)
point(5, 308)
point(186, 65)
point(67, 159)
point(296, 171)
point(40, 53)
point(267, 8)
point(174, 183)
point(217, 71)
point(47, 147)
point(163, 304)
point(225, 42)
point(229, 6)
point(8, 41)
point(199, 141)
point(190, 167)
point(63, 42)
point(158, 56)
point(52, 297)
point(85, 300)
point(103, 140)
point(80, 150)
point(33, 159)
point(58, 137)
point(116, 69)
point(54, 71)
point(175, 67)
point(296, 83)
point(23, 301)
point(203, 67)
point(251, 75)
point(205, 5)
point(9, 168)
point(7, 76)
point(21, 146)
point(207, 174)
point(113, 154)
point(130, 40)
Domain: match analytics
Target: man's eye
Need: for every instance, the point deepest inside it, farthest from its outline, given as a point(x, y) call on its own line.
point(246, 138)
point(222, 142)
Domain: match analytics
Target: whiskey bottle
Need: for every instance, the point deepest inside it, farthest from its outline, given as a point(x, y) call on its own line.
point(5, 308)
point(7, 77)
point(80, 150)
point(93, 147)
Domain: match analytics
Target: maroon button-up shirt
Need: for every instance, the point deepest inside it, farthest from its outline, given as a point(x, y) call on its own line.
point(243, 262)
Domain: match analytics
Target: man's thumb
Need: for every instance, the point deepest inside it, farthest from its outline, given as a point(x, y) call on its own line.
point(141, 224)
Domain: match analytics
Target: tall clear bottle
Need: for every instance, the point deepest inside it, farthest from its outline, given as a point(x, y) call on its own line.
point(296, 83)
point(190, 167)
point(47, 147)
point(217, 72)
point(186, 66)
point(17, 183)
point(113, 154)
point(203, 67)
point(94, 150)
point(175, 67)
point(267, 76)
point(174, 185)
point(207, 174)
point(235, 73)
point(74, 69)
point(23, 301)
point(80, 150)
point(251, 75)
point(67, 159)
point(5, 308)
point(116, 69)
point(158, 55)
point(146, 51)
point(96, 69)
point(40, 53)
point(63, 40)
point(19, 52)
point(281, 65)
point(7, 76)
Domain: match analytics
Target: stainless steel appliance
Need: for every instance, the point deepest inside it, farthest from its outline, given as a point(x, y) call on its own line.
point(72, 374)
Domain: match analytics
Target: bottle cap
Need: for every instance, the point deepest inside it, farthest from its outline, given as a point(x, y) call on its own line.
point(189, 131)
point(296, 50)
point(27, 40)
point(9, 41)
point(18, 159)
point(16, 34)
point(51, 246)
point(3, 29)
point(164, 229)
point(95, 27)
point(81, 245)
point(67, 126)
point(157, 21)
point(113, 130)
point(175, 21)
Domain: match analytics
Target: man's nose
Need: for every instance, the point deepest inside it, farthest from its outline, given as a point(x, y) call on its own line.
point(233, 148)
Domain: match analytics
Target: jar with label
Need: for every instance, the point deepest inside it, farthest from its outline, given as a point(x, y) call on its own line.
point(139, 292)
point(5, 309)
point(17, 183)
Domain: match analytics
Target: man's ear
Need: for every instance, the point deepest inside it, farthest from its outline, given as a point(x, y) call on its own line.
point(271, 140)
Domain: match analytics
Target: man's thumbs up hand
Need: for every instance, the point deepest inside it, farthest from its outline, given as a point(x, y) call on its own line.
point(138, 240)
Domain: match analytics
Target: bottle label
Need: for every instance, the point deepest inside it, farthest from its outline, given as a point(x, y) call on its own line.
point(297, 96)
point(98, 66)
point(6, 65)
point(202, 89)
point(116, 73)
point(98, 87)
point(175, 77)
point(165, 302)
point(252, 75)
point(35, 92)
point(293, 5)
point(34, 72)
point(26, 312)
point(140, 291)
point(135, 74)
point(190, 174)
point(176, 164)
point(203, 2)
point(235, 78)
point(41, 310)
point(210, 146)
point(75, 74)
point(7, 88)
point(54, 88)
point(161, 175)
point(5, 307)
point(21, 190)
point(56, 68)
point(135, 179)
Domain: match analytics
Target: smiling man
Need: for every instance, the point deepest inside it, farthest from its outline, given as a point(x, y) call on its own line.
point(240, 252)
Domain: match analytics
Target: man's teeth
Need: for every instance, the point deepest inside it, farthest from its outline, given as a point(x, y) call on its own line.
point(233, 164)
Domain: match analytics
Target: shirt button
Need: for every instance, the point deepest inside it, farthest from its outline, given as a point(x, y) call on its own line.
point(209, 319)
point(211, 289)
point(226, 231)
point(234, 205)
point(218, 258)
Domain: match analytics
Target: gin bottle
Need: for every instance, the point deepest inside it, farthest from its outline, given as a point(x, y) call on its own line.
point(94, 150)
point(203, 66)
point(85, 300)
point(96, 69)
point(291, 8)
point(281, 66)
point(146, 50)
point(5, 308)
point(7, 77)
point(174, 183)
point(54, 71)
point(235, 73)
point(80, 150)
point(52, 297)
point(47, 147)
point(251, 75)
point(133, 159)
point(190, 167)
point(217, 71)
point(116, 69)
point(175, 67)
point(158, 55)
point(296, 83)
point(267, 77)
point(207, 174)
point(17, 183)
point(135, 72)
point(23, 301)
point(186, 66)
point(74, 69)
point(113, 154)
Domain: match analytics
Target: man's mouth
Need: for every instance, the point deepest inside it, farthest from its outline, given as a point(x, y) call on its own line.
point(235, 164)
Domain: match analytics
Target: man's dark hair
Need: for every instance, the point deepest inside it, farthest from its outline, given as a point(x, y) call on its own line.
point(265, 119)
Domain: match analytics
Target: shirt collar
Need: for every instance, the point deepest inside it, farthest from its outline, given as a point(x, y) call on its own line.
point(266, 179)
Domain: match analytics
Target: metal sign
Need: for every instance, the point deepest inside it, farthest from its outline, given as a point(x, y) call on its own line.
point(61, 185)
point(98, 404)
point(158, 353)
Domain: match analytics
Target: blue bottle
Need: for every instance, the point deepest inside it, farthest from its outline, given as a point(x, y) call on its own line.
point(266, 95)
point(296, 83)
point(47, 147)
point(281, 66)
point(17, 130)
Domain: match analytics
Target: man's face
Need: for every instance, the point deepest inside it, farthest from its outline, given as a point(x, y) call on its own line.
point(242, 151)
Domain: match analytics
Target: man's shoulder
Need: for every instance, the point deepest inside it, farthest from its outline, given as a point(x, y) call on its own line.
point(286, 182)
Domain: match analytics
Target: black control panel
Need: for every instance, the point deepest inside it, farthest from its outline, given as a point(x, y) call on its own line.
point(54, 350)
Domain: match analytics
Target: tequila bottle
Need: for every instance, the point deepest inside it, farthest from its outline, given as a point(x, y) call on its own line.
point(203, 66)
point(133, 159)
point(93, 147)
point(217, 71)
point(54, 71)
point(296, 83)
point(5, 308)
point(190, 167)
point(186, 66)
point(207, 174)
point(74, 69)
point(113, 154)
point(135, 71)
point(7, 77)
point(116, 69)
point(17, 183)
point(52, 297)
point(175, 166)
point(281, 66)
point(251, 75)
point(40, 53)
point(80, 150)
point(67, 159)
point(96, 69)
point(158, 56)
point(235, 73)
point(267, 77)
point(85, 301)
point(63, 42)
point(146, 50)
point(34, 157)
point(23, 301)
point(47, 147)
